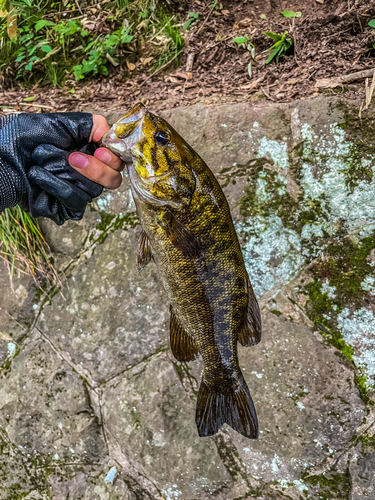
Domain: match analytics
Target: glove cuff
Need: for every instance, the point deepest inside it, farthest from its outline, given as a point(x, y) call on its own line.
point(13, 182)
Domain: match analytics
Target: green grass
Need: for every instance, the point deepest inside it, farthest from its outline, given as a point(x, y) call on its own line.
point(174, 43)
point(50, 48)
point(23, 246)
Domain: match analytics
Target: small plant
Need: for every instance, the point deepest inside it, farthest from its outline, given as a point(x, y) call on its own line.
point(372, 25)
point(245, 42)
point(291, 13)
point(193, 19)
point(23, 246)
point(98, 51)
point(279, 49)
point(216, 5)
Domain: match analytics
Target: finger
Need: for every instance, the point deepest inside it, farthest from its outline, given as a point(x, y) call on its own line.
point(99, 127)
point(113, 161)
point(95, 170)
point(70, 196)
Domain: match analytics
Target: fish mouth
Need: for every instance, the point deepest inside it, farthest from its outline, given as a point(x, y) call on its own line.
point(140, 188)
point(125, 133)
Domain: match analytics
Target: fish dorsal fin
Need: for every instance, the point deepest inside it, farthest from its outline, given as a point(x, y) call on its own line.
point(143, 251)
point(183, 346)
point(251, 329)
point(180, 236)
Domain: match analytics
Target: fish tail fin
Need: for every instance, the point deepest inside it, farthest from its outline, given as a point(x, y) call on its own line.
point(234, 408)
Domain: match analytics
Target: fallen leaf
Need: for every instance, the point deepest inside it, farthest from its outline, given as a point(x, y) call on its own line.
point(146, 60)
point(225, 12)
point(186, 75)
point(29, 99)
point(131, 66)
point(245, 23)
point(12, 28)
point(171, 79)
point(292, 81)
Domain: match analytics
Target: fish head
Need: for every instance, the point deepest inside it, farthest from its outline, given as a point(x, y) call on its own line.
point(156, 155)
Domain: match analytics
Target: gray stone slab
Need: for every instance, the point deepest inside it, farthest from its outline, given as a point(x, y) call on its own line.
point(307, 405)
point(16, 303)
point(362, 475)
point(47, 423)
point(109, 316)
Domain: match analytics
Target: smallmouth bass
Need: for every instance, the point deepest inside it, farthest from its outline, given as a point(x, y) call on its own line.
point(188, 230)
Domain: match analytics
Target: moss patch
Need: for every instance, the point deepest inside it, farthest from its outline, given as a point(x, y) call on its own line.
point(110, 223)
point(343, 267)
point(330, 485)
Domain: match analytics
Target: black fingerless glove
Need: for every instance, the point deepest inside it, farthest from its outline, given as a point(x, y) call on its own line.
point(34, 168)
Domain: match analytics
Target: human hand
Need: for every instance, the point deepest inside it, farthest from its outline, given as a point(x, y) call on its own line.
point(104, 167)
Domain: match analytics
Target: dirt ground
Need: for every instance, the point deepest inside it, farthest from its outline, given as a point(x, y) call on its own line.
point(331, 38)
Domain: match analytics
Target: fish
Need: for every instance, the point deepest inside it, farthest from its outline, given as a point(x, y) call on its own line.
point(187, 229)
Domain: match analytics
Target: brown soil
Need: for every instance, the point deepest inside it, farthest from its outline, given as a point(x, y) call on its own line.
point(330, 39)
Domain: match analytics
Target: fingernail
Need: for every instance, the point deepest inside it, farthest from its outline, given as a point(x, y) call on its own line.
point(78, 160)
point(103, 155)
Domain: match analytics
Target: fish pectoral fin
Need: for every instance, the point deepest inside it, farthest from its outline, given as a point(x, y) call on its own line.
point(181, 237)
point(183, 346)
point(251, 329)
point(144, 253)
point(236, 408)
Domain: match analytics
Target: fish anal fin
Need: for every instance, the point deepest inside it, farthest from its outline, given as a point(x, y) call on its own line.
point(144, 253)
point(251, 329)
point(184, 347)
point(235, 408)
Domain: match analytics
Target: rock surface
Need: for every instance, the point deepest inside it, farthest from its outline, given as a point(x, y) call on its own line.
point(94, 406)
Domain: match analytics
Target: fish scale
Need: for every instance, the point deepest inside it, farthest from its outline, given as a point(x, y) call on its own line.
point(188, 229)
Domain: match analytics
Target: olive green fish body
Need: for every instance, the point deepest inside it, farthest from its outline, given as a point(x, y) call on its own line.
point(189, 230)
point(208, 294)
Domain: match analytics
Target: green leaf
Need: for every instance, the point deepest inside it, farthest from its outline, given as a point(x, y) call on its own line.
point(127, 38)
point(29, 66)
point(298, 14)
point(27, 37)
point(77, 71)
point(275, 45)
point(273, 54)
point(274, 36)
point(103, 70)
point(288, 13)
point(42, 24)
point(29, 99)
point(31, 52)
point(187, 24)
point(263, 16)
point(372, 23)
point(46, 48)
point(193, 16)
point(241, 39)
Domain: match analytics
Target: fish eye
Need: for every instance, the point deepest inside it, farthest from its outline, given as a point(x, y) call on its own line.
point(161, 137)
